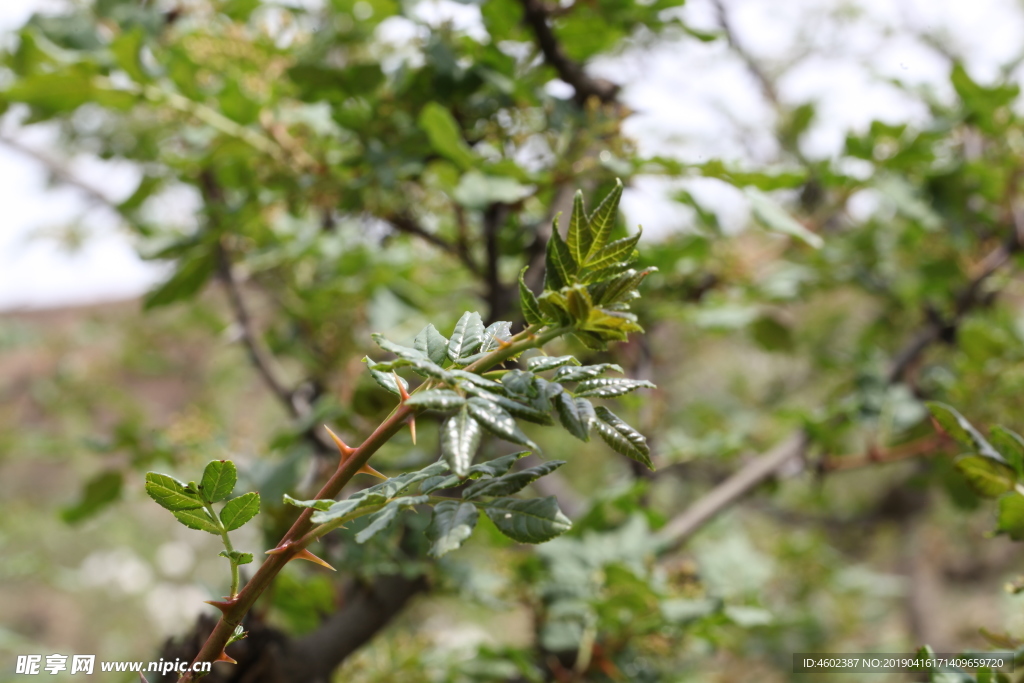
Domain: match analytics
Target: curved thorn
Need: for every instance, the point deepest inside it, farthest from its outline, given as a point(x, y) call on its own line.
point(345, 449)
point(223, 657)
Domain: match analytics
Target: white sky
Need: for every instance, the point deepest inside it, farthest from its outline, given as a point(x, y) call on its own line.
point(692, 100)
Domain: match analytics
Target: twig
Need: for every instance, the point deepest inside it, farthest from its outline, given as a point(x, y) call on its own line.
point(729, 492)
point(536, 16)
point(61, 172)
point(766, 83)
point(403, 222)
point(923, 446)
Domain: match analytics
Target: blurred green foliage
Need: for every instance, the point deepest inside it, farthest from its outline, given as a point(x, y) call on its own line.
point(368, 167)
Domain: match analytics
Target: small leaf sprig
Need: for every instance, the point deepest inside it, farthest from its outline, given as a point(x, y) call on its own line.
point(588, 286)
point(192, 505)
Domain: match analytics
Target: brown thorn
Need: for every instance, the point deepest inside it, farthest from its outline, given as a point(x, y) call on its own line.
point(501, 342)
point(401, 387)
point(366, 469)
point(281, 549)
point(412, 429)
point(345, 449)
point(306, 555)
point(222, 605)
point(223, 657)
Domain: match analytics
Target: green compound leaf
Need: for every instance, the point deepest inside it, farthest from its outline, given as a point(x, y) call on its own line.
point(580, 236)
point(496, 420)
point(987, 477)
point(609, 387)
point(467, 336)
point(170, 493)
point(436, 399)
point(528, 521)
point(603, 220)
point(236, 556)
point(519, 383)
point(218, 481)
point(382, 519)
point(460, 437)
point(385, 379)
point(510, 483)
point(238, 511)
point(431, 344)
point(622, 437)
point(528, 302)
point(316, 504)
point(453, 522)
point(543, 363)
point(198, 519)
point(1011, 516)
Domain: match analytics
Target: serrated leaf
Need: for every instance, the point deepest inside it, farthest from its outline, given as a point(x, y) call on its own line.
point(578, 374)
point(519, 382)
point(510, 483)
point(958, 427)
point(385, 379)
point(199, 520)
point(498, 330)
point(580, 236)
point(575, 422)
point(578, 300)
point(452, 523)
point(618, 252)
point(460, 437)
point(436, 399)
point(316, 504)
point(238, 511)
point(1010, 445)
point(776, 219)
point(496, 420)
point(544, 363)
point(528, 302)
point(498, 466)
point(618, 288)
point(341, 508)
point(602, 220)
point(218, 481)
point(466, 337)
point(987, 477)
point(236, 556)
point(170, 493)
point(514, 408)
point(1011, 516)
point(609, 387)
point(445, 135)
point(528, 521)
point(559, 267)
point(478, 381)
point(431, 344)
point(406, 352)
point(395, 485)
point(622, 437)
point(382, 519)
